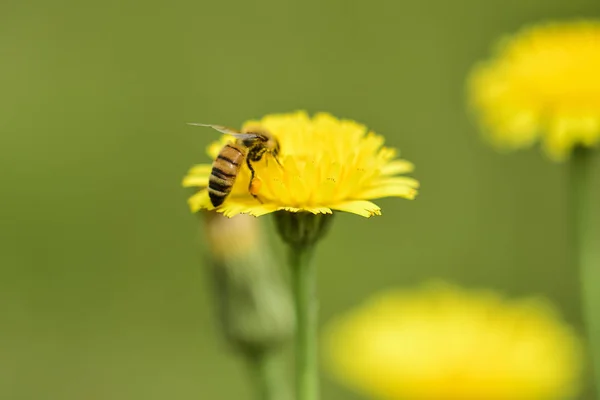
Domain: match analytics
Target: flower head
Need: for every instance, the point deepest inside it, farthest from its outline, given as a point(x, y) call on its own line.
point(542, 85)
point(439, 342)
point(324, 164)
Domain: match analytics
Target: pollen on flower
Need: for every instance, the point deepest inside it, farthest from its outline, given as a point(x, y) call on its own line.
point(324, 164)
point(441, 342)
point(542, 85)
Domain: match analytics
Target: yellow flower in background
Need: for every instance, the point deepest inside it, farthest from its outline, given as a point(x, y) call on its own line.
point(442, 343)
point(542, 85)
point(326, 164)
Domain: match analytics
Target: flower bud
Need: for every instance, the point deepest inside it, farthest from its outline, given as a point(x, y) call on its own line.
point(252, 299)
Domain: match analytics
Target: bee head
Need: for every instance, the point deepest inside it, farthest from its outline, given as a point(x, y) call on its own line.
point(272, 145)
point(261, 142)
point(267, 141)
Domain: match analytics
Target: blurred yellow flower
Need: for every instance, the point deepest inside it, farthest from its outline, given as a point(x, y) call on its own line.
point(326, 164)
point(441, 343)
point(542, 85)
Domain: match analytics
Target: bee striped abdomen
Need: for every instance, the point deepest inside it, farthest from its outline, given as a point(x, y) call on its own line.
point(224, 171)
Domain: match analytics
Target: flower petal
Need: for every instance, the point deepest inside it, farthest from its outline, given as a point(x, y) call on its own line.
point(397, 181)
point(313, 210)
point(200, 201)
point(389, 191)
point(397, 167)
point(319, 210)
point(200, 169)
point(360, 207)
point(234, 206)
point(195, 180)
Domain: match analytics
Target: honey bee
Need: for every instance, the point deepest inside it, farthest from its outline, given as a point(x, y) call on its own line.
point(249, 147)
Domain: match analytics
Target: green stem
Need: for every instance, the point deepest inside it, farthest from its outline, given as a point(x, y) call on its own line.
point(585, 242)
point(269, 376)
point(304, 288)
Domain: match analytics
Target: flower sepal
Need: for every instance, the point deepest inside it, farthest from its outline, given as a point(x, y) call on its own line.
point(302, 229)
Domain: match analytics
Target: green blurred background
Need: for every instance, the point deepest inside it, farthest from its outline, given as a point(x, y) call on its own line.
point(102, 292)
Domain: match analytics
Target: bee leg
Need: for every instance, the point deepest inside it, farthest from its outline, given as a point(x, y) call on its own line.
point(278, 162)
point(251, 180)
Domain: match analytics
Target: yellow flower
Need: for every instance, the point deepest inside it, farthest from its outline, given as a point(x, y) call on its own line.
point(441, 343)
point(326, 164)
point(542, 85)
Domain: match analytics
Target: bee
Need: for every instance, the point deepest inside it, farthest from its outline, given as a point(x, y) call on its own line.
point(249, 147)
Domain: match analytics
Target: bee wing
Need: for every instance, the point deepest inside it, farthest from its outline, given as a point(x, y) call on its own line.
point(226, 130)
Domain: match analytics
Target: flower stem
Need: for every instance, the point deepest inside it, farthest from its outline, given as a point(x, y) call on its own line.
point(269, 376)
point(586, 236)
point(304, 289)
point(301, 232)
